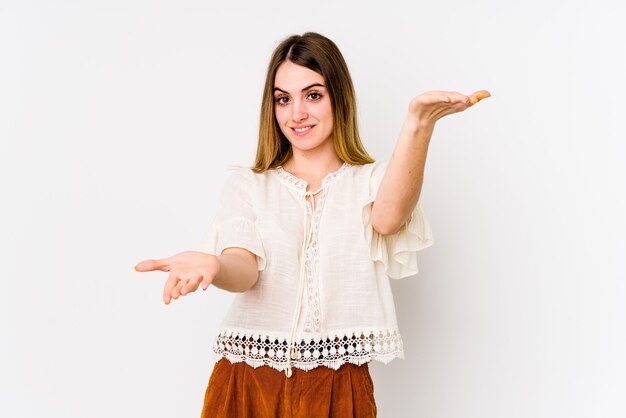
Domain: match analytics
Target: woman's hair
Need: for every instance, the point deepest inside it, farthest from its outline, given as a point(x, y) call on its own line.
point(320, 54)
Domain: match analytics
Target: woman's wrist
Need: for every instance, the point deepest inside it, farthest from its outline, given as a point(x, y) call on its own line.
point(418, 129)
point(417, 124)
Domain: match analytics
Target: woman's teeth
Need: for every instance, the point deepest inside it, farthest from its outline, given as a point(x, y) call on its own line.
point(302, 129)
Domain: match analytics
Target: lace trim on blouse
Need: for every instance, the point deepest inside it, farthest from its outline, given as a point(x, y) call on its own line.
point(300, 183)
point(311, 263)
point(258, 349)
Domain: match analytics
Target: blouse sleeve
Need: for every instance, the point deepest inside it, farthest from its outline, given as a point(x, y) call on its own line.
point(234, 225)
point(397, 252)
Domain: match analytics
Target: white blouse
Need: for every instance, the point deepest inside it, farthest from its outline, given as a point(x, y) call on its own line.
point(323, 295)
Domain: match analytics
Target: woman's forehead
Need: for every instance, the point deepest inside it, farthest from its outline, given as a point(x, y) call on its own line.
point(290, 76)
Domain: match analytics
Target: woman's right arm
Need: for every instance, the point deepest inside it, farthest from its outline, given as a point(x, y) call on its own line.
point(235, 270)
point(238, 270)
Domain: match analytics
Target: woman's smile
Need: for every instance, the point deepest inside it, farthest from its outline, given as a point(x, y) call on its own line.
point(302, 130)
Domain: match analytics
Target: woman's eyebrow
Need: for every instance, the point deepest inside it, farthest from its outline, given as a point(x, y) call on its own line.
point(304, 89)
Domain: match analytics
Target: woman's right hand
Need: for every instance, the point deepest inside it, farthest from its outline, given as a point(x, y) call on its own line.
point(187, 271)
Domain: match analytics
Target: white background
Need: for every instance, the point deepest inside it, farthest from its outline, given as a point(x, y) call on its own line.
point(119, 118)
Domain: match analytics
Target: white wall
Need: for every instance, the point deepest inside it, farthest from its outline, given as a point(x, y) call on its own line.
point(118, 119)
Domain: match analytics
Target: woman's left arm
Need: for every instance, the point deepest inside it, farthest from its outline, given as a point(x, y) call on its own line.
point(400, 187)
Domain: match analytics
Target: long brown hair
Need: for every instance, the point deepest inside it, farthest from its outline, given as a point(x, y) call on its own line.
point(320, 54)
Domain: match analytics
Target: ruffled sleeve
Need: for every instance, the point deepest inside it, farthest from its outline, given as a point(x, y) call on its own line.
point(234, 225)
point(397, 252)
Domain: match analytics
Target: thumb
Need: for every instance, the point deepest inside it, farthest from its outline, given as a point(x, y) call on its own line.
point(162, 264)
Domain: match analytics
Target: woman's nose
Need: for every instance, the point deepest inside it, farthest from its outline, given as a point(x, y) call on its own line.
point(299, 112)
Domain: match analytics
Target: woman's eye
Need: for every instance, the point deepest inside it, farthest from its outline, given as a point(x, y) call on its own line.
point(315, 96)
point(281, 100)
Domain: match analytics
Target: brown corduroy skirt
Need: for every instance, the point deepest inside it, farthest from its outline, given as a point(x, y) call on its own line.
point(238, 390)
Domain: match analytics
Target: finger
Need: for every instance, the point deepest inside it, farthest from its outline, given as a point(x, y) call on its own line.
point(183, 287)
point(206, 281)
point(455, 98)
point(151, 265)
point(176, 290)
point(191, 286)
point(478, 96)
point(482, 94)
point(169, 286)
point(452, 97)
point(466, 101)
point(459, 98)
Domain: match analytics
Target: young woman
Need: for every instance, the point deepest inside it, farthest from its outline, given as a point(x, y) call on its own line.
point(308, 238)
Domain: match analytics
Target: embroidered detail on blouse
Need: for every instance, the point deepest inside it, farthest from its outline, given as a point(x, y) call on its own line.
point(301, 184)
point(358, 347)
point(313, 320)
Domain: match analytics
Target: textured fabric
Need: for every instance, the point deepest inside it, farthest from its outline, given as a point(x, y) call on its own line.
point(323, 292)
point(240, 391)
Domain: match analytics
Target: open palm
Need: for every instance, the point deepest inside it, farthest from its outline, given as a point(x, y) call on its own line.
point(433, 105)
point(188, 270)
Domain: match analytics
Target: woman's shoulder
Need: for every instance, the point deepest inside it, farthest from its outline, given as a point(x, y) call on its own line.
point(243, 170)
point(244, 177)
point(371, 170)
point(372, 165)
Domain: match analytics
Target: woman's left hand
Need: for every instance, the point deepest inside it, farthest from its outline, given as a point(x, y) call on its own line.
point(429, 107)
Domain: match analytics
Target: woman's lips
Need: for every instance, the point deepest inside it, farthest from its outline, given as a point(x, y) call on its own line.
point(302, 131)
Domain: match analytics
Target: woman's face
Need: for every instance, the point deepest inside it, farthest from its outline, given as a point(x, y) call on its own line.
point(302, 106)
